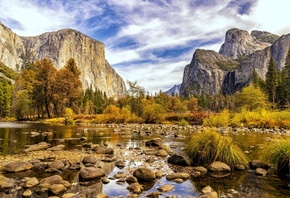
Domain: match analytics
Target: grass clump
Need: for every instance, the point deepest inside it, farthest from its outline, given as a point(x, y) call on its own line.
point(278, 153)
point(209, 146)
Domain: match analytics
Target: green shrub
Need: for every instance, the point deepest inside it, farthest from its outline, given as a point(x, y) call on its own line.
point(209, 146)
point(278, 153)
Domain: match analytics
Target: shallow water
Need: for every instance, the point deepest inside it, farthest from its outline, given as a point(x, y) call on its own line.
point(14, 136)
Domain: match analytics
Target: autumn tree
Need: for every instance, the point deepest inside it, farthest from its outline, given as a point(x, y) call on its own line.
point(272, 80)
point(191, 104)
point(136, 93)
point(44, 84)
point(251, 98)
point(67, 87)
point(153, 113)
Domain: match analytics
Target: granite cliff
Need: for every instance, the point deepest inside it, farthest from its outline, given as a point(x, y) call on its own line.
point(232, 68)
point(59, 47)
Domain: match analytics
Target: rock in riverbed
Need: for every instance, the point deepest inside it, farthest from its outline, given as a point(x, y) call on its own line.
point(37, 147)
point(17, 166)
point(144, 174)
point(89, 173)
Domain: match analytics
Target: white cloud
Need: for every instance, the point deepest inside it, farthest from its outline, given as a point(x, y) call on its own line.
point(272, 16)
point(33, 19)
point(119, 56)
point(152, 25)
point(37, 18)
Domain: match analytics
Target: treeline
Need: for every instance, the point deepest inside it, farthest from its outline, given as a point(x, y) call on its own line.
point(41, 91)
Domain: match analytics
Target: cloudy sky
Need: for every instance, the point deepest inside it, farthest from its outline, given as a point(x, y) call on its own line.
point(150, 41)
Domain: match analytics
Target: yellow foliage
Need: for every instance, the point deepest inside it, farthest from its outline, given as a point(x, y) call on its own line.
point(221, 119)
point(260, 118)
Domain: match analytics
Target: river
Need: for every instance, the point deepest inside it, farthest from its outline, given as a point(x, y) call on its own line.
point(15, 136)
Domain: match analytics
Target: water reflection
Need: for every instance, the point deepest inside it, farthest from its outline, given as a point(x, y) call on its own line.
point(15, 136)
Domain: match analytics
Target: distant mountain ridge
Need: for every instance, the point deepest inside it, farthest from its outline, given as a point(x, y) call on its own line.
point(174, 90)
point(59, 46)
point(231, 69)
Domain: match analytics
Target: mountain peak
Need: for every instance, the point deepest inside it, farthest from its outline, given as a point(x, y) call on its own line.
point(60, 46)
point(240, 43)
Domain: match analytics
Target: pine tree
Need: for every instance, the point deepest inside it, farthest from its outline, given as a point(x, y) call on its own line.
point(272, 80)
point(255, 78)
point(286, 76)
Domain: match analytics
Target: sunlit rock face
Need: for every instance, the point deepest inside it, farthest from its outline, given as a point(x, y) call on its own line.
point(11, 47)
point(232, 68)
point(240, 43)
point(59, 47)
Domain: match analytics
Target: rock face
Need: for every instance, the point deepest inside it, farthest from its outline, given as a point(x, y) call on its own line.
point(59, 46)
point(232, 68)
point(240, 43)
point(206, 73)
point(11, 47)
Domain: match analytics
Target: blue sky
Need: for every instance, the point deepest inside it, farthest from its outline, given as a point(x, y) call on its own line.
point(150, 41)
